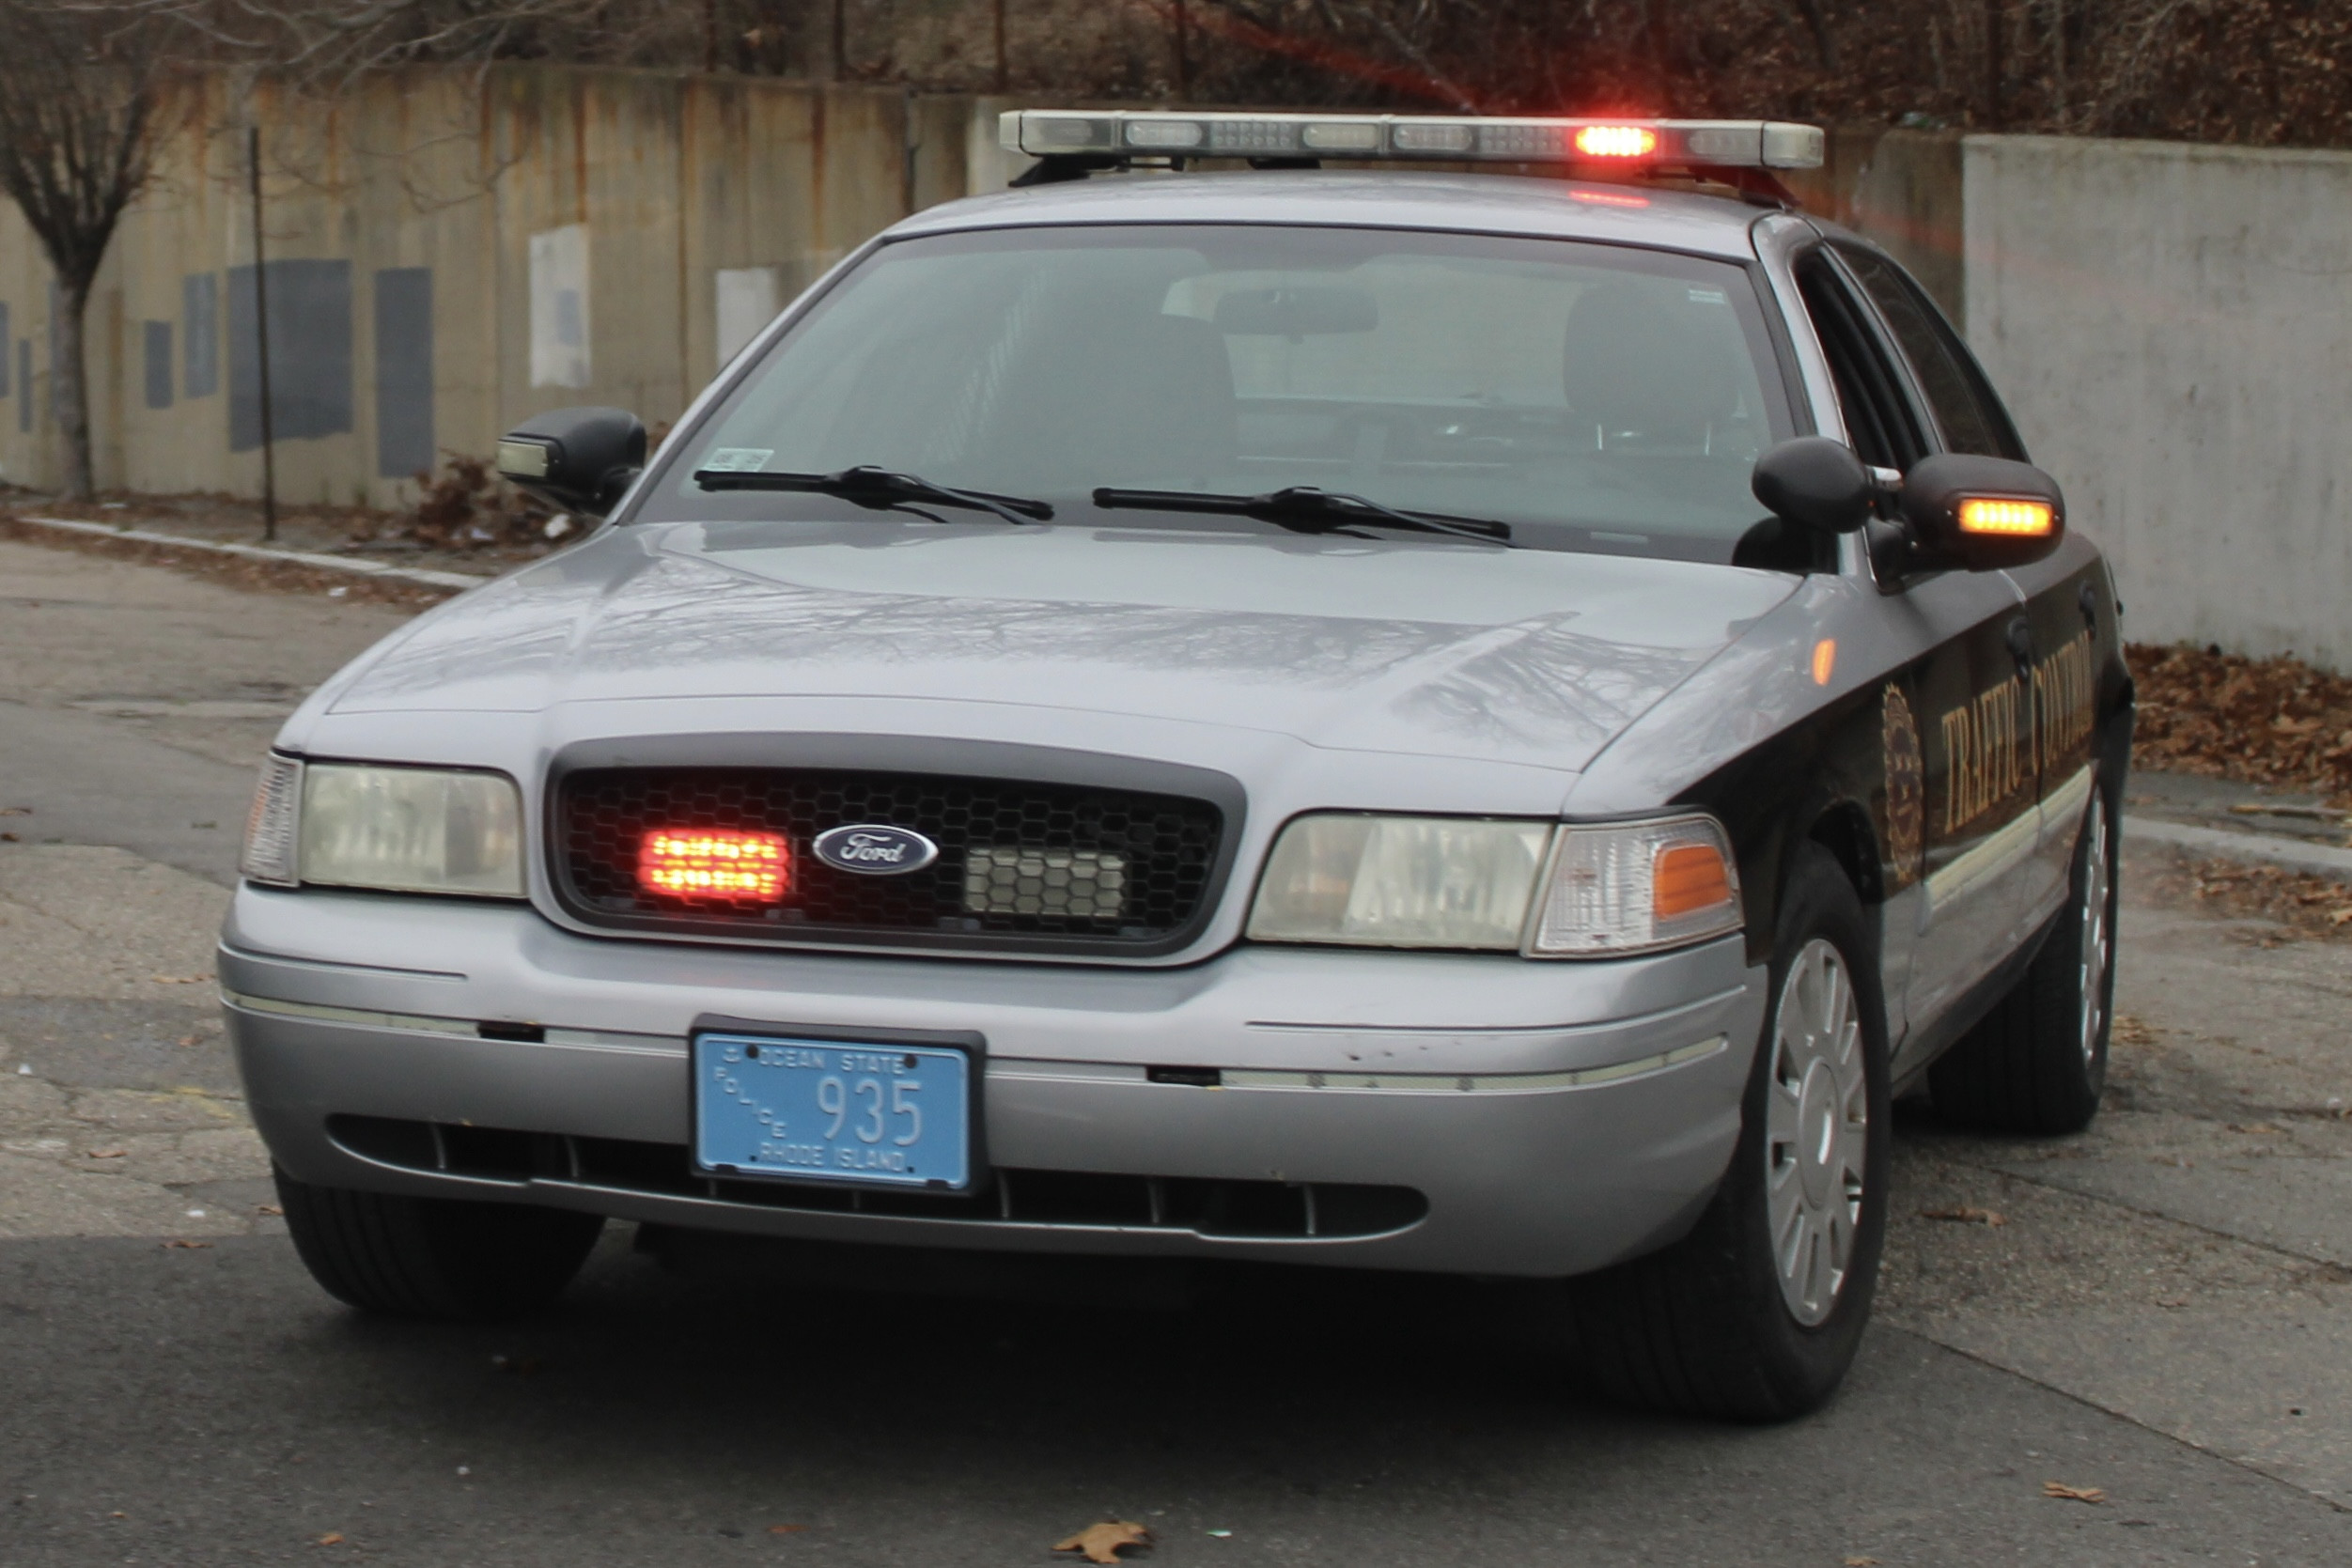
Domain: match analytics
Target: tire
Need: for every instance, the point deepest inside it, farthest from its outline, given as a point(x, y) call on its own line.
point(440, 1258)
point(1715, 1325)
point(2038, 1063)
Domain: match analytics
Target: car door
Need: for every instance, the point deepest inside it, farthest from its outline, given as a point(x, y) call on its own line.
point(1957, 712)
point(2065, 596)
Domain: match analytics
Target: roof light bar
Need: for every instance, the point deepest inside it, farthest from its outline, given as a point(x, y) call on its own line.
point(1120, 133)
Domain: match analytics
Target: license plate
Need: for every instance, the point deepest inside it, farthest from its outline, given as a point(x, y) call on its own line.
point(833, 1110)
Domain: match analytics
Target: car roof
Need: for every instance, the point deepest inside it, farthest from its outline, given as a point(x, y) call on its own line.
point(1463, 203)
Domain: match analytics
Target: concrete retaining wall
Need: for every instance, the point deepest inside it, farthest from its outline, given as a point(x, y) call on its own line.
point(449, 253)
point(447, 257)
point(2172, 326)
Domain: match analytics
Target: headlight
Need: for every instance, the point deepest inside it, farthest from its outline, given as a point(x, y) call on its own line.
point(1499, 886)
point(403, 829)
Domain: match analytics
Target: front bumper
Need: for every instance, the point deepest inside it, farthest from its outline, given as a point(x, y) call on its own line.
point(1548, 1118)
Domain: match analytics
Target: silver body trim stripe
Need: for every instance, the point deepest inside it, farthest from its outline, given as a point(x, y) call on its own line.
point(1457, 1083)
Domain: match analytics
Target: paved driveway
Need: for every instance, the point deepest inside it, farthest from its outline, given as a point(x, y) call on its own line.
point(2163, 1312)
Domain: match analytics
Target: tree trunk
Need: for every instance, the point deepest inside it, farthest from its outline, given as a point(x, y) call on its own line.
point(70, 389)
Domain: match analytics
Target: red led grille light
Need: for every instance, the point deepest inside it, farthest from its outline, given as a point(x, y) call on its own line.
point(714, 863)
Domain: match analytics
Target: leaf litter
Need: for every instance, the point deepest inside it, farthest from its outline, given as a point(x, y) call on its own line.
point(2073, 1493)
point(1965, 1214)
point(2275, 722)
point(2300, 904)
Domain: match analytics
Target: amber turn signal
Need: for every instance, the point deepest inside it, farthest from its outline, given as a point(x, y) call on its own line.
point(1687, 878)
point(2031, 519)
point(714, 863)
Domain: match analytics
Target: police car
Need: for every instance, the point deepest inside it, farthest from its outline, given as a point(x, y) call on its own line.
point(1375, 717)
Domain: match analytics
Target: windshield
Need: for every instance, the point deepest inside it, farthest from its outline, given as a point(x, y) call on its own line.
point(1592, 396)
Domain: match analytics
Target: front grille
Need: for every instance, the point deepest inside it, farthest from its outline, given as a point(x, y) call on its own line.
point(1020, 863)
point(1238, 1209)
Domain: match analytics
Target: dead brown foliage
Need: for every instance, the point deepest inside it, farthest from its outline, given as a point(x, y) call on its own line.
point(467, 507)
point(2275, 722)
point(2302, 904)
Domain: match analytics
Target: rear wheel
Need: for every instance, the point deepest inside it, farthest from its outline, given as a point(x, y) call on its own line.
point(1757, 1313)
point(434, 1257)
point(2038, 1063)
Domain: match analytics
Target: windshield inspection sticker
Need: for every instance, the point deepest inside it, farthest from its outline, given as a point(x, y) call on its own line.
point(737, 460)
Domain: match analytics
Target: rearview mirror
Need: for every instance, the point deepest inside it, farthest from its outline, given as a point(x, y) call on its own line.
point(1815, 484)
point(580, 460)
point(1981, 513)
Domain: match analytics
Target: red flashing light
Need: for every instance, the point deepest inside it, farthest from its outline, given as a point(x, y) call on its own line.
point(714, 863)
point(1616, 141)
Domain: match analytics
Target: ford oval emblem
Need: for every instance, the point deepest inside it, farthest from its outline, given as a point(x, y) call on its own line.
point(874, 849)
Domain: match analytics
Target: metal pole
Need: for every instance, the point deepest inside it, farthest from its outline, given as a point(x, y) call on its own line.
point(262, 341)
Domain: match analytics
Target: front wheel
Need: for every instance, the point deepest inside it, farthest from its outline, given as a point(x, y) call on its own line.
point(2038, 1063)
point(1757, 1313)
point(434, 1257)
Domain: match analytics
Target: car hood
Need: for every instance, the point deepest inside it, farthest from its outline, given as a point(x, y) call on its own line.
point(1402, 644)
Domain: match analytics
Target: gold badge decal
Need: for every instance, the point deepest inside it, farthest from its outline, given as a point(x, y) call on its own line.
point(1907, 785)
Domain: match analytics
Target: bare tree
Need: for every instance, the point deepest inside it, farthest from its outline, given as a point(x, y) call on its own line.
point(82, 112)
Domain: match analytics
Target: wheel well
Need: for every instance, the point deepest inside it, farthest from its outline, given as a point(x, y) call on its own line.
point(1844, 830)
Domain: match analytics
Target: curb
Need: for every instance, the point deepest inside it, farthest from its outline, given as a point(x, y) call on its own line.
point(377, 569)
point(2325, 860)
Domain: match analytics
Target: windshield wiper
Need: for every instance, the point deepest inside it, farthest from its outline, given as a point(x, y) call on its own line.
point(1304, 509)
point(879, 488)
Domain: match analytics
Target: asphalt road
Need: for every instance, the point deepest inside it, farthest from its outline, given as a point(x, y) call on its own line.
point(2163, 1315)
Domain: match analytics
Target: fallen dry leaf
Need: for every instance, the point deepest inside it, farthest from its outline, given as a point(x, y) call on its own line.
point(1966, 1215)
point(16, 811)
point(191, 1246)
point(9, 838)
point(104, 1153)
point(1862, 1562)
point(180, 979)
point(1102, 1543)
point(267, 1209)
point(333, 1538)
point(2128, 1031)
point(2073, 1493)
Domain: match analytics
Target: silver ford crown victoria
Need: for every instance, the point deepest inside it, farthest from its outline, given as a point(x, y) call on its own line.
point(1389, 718)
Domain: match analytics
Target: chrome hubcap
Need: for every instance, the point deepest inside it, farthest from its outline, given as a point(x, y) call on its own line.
point(1816, 1131)
point(2098, 937)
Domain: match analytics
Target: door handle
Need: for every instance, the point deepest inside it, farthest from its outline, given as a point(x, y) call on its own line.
point(2020, 634)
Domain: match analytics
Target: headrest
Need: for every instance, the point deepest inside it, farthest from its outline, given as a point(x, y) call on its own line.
point(1657, 360)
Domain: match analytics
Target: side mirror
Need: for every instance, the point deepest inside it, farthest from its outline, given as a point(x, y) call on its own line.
point(1980, 514)
point(1815, 484)
point(580, 460)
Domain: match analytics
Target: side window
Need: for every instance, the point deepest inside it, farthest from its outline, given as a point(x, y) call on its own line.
point(1878, 416)
point(1972, 417)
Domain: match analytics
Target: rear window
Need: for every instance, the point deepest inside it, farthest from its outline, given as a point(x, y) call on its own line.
point(1593, 396)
